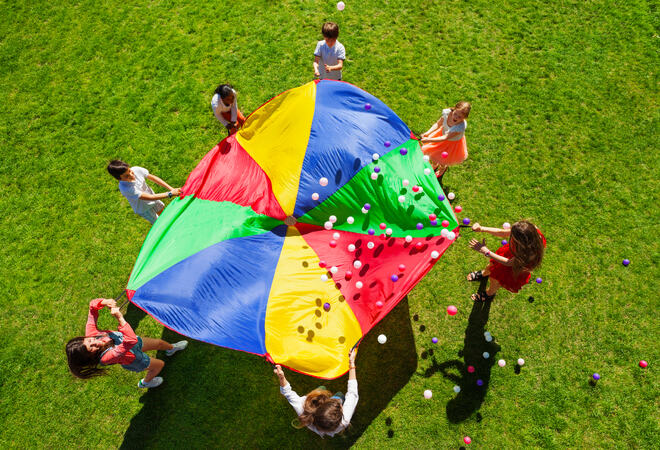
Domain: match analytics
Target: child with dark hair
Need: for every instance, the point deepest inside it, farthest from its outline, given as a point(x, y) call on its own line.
point(320, 410)
point(102, 348)
point(445, 142)
point(512, 264)
point(225, 108)
point(329, 54)
point(133, 186)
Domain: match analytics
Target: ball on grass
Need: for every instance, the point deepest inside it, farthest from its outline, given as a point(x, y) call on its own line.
point(466, 221)
point(458, 208)
point(501, 363)
point(643, 364)
point(340, 7)
point(457, 389)
point(521, 362)
point(506, 225)
point(486, 355)
point(428, 394)
point(382, 338)
point(467, 440)
point(451, 196)
point(539, 280)
point(470, 369)
point(625, 262)
point(434, 340)
point(452, 310)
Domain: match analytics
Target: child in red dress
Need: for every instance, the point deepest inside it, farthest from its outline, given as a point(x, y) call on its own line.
point(512, 264)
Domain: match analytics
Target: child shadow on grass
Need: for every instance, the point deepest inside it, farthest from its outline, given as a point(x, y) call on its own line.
point(471, 396)
point(217, 397)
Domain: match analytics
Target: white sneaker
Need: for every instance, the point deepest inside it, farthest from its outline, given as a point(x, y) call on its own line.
point(176, 347)
point(155, 382)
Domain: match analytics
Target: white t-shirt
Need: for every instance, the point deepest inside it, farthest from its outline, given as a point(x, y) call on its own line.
point(329, 56)
point(458, 128)
point(132, 190)
point(219, 107)
point(348, 408)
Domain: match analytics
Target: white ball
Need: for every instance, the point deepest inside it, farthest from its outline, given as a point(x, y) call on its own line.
point(521, 362)
point(323, 181)
point(388, 232)
point(364, 211)
point(327, 225)
point(427, 171)
point(359, 285)
point(444, 232)
point(370, 245)
point(421, 189)
point(435, 254)
point(409, 239)
point(451, 235)
point(341, 6)
point(335, 236)
point(315, 196)
point(382, 338)
point(428, 394)
point(488, 337)
point(405, 183)
point(350, 220)
point(324, 277)
point(351, 248)
point(332, 219)
point(457, 389)
point(451, 196)
point(374, 176)
point(501, 363)
point(506, 225)
point(357, 264)
point(426, 158)
point(402, 198)
point(333, 269)
point(486, 355)
point(375, 156)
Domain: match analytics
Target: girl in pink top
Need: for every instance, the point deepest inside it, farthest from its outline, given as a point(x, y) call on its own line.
point(445, 142)
point(102, 348)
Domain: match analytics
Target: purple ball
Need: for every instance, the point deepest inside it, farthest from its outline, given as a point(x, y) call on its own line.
point(387, 143)
point(504, 242)
point(466, 221)
point(625, 262)
point(480, 382)
point(596, 377)
point(376, 169)
point(403, 151)
point(367, 106)
point(434, 222)
point(371, 231)
point(394, 278)
point(326, 306)
point(420, 226)
point(539, 280)
point(441, 198)
point(434, 340)
point(367, 206)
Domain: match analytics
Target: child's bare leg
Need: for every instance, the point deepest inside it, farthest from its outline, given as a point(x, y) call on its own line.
point(493, 286)
point(154, 369)
point(486, 272)
point(155, 344)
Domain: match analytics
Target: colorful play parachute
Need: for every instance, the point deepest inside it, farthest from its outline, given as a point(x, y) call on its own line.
point(221, 266)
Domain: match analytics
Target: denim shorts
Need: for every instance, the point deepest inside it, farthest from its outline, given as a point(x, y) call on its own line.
point(142, 360)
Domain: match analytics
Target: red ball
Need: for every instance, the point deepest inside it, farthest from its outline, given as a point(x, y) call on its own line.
point(445, 223)
point(382, 226)
point(458, 209)
point(322, 264)
point(348, 275)
point(419, 245)
point(402, 267)
point(333, 243)
point(383, 236)
point(643, 364)
point(433, 217)
point(467, 439)
point(415, 188)
point(379, 304)
point(471, 369)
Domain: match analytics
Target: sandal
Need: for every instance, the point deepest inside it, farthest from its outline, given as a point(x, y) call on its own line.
point(482, 297)
point(476, 276)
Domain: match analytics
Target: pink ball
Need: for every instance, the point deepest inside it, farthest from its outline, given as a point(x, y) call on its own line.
point(382, 226)
point(458, 208)
point(471, 369)
point(333, 243)
point(341, 6)
point(379, 304)
point(433, 217)
point(402, 267)
point(322, 264)
point(643, 364)
point(415, 188)
point(444, 154)
point(467, 439)
point(452, 310)
point(445, 223)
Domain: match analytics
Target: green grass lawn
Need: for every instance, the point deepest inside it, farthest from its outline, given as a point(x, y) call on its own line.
point(563, 131)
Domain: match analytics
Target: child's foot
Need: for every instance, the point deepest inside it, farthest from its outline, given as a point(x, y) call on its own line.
point(155, 382)
point(476, 276)
point(482, 297)
point(176, 347)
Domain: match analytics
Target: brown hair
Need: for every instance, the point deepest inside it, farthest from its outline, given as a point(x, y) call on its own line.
point(526, 245)
point(320, 410)
point(330, 30)
point(117, 167)
point(83, 363)
point(463, 106)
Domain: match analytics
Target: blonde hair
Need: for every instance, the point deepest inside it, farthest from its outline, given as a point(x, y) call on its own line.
point(322, 411)
point(463, 106)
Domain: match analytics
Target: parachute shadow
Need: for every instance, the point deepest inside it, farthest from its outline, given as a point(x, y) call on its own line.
point(217, 397)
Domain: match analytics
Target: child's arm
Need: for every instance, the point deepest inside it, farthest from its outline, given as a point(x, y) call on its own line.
point(339, 66)
point(434, 127)
point(159, 181)
point(94, 307)
point(285, 388)
point(481, 248)
point(114, 355)
point(352, 397)
point(497, 232)
point(161, 196)
point(444, 137)
point(317, 60)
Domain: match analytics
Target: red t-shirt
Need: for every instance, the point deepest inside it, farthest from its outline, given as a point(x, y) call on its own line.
point(119, 354)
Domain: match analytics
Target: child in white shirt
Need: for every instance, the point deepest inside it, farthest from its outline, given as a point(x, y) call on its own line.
point(329, 54)
point(226, 109)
